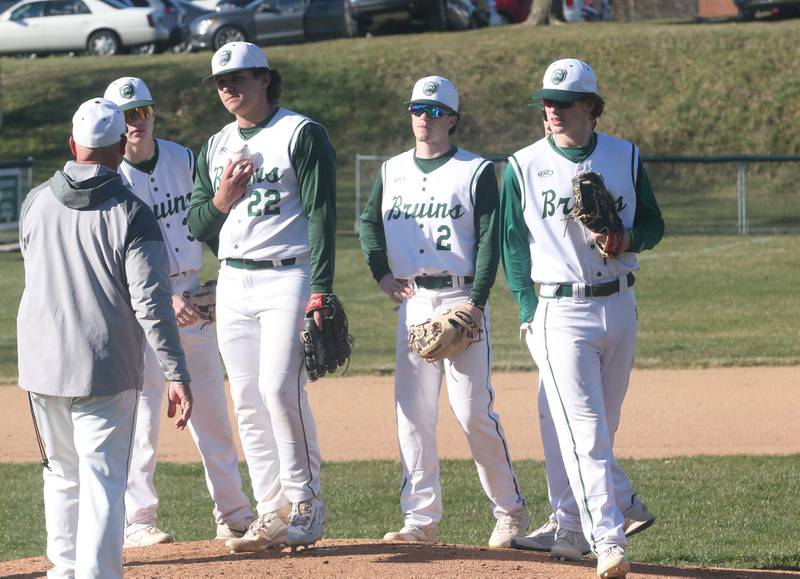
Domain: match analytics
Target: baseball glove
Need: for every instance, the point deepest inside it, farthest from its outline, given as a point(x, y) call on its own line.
point(596, 209)
point(204, 300)
point(445, 336)
point(327, 347)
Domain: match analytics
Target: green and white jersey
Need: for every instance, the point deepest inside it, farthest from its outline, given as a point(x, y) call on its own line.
point(429, 218)
point(561, 249)
point(269, 221)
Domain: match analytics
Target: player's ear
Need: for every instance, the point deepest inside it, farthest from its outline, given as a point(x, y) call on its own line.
point(72, 148)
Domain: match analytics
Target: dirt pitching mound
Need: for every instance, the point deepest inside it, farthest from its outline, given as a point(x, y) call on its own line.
point(353, 558)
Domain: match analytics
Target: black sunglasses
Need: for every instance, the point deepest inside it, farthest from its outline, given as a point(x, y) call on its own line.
point(431, 110)
point(558, 104)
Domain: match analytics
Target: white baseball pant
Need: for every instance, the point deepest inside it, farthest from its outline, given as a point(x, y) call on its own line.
point(417, 387)
point(584, 350)
point(87, 443)
point(259, 318)
point(209, 425)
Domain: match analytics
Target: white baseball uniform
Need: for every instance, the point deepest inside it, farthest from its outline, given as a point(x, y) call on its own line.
point(276, 248)
point(583, 333)
point(165, 185)
point(435, 220)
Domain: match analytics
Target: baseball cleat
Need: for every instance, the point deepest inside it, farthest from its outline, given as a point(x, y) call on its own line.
point(569, 545)
point(146, 536)
point(611, 562)
point(266, 532)
point(637, 517)
point(306, 523)
point(225, 531)
point(508, 527)
point(541, 539)
point(413, 534)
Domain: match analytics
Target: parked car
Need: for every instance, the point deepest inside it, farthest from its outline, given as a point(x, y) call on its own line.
point(433, 14)
point(6, 4)
point(99, 27)
point(749, 8)
point(512, 11)
point(172, 16)
point(266, 22)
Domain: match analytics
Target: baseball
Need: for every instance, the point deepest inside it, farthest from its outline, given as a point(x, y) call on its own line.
point(239, 155)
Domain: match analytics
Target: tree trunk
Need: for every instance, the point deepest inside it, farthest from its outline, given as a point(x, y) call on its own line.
point(540, 12)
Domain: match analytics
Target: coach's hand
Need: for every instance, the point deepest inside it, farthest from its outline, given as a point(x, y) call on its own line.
point(179, 395)
point(397, 289)
point(233, 184)
point(184, 311)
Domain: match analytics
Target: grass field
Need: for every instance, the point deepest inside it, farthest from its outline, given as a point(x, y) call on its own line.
point(703, 301)
point(724, 512)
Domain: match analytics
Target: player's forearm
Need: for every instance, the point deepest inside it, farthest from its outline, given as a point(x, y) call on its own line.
point(371, 234)
point(204, 219)
point(488, 254)
point(648, 224)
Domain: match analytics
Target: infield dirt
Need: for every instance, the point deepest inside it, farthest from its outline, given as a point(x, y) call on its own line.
point(667, 413)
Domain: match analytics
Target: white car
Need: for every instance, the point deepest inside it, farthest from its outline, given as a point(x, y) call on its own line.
point(99, 27)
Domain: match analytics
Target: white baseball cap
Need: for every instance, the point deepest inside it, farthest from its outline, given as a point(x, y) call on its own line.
point(129, 92)
point(237, 56)
point(567, 80)
point(435, 90)
point(98, 123)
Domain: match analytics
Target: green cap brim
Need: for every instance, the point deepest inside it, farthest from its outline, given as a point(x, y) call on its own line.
point(433, 103)
point(560, 96)
point(135, 104)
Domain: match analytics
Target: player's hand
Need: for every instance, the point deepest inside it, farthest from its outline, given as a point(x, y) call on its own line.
point(474, 311)
point(233, 183)
point(600, 239)
point(524, 328)
point(397, 289)
point(179, 395)
point(184, 311)
point(314, 301)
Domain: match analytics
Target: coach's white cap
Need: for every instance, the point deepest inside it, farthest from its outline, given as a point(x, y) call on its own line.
point(237, 56)
point(129, 92)
point(435, 90)
point(567, 80)
point(98, 123)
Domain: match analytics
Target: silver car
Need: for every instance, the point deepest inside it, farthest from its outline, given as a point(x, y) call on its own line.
point(99, 27)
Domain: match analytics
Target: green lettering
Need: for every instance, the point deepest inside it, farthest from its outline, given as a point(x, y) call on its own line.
point(394, 212)
point(548, 207)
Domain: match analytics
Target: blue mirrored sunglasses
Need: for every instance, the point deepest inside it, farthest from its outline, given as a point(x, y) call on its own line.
point(431, 110)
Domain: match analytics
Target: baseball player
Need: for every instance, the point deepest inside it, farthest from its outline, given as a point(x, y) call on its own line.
point(432, 215)
point(96, 285)
point(581, 328)
point(161, 174)
point(637, 516)
point(265, 192)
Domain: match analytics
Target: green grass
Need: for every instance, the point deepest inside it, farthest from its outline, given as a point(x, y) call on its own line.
point(703, 301)
point(671, 87)
point(711, 511)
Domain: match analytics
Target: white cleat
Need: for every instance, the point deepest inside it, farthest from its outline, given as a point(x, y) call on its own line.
point(266, 532)
point(306, 523)
point(413, 534)
point(225, 531)
point(569, 545)
point(508, 527)
point(611, 562)
point(637, 517)
point(146, 536)
point(541, 539)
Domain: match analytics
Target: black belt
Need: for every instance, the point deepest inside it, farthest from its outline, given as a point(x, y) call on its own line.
point(600, 290)
point(439, 282)
point(255, 264)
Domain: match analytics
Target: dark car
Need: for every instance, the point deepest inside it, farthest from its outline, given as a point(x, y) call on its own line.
point(266, 22)
point(440, 15)
point(749, 8)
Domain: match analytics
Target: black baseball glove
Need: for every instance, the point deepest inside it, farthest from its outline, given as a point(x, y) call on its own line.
point(329, 344)
point(595, 207)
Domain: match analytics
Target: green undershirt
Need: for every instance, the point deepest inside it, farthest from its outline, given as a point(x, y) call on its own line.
point(146, 166)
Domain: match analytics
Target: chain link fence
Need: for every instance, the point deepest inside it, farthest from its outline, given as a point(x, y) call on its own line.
point(717, 195)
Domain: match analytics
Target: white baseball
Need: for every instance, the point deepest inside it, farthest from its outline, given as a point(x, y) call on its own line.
point(239, 155)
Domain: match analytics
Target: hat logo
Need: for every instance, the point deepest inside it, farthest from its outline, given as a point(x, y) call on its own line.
point(430, 88)
point(224, 57)
point(558, 75)
point(127, 91)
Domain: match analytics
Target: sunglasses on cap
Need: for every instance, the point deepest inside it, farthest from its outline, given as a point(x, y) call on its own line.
point(431, 110)
point(137, 113)
point(558, 104)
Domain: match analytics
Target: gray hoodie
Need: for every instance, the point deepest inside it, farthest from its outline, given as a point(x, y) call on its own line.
point(96, 285)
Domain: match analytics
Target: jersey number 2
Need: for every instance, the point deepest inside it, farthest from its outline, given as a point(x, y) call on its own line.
point(443, 241)
point(272, 198)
